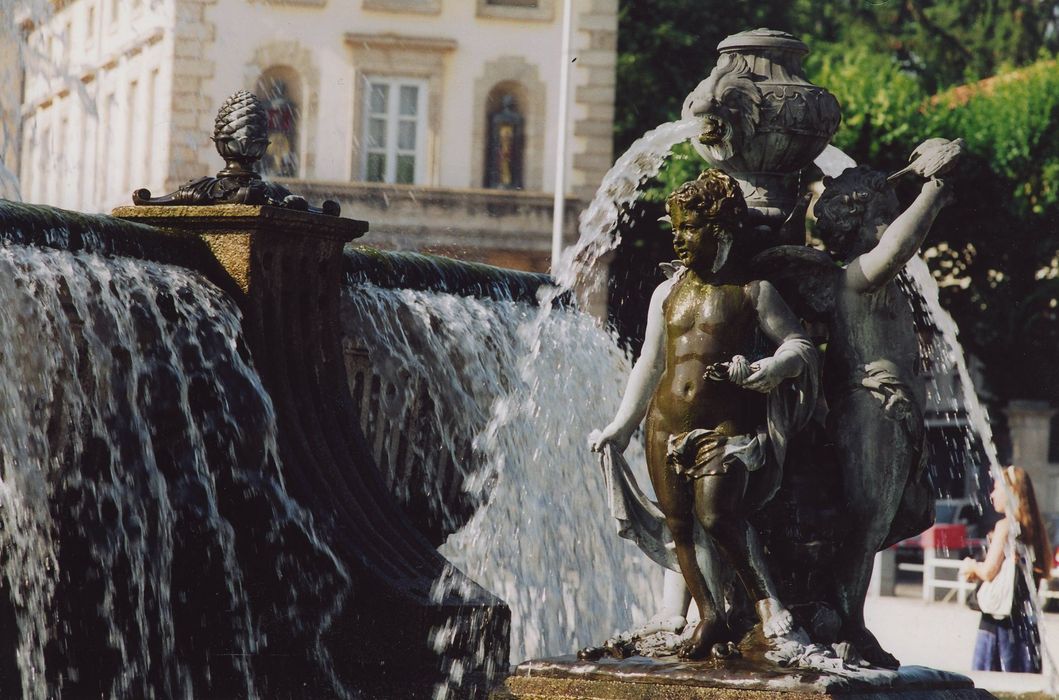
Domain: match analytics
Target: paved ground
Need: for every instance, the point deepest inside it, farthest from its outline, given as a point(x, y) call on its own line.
point(941, 635)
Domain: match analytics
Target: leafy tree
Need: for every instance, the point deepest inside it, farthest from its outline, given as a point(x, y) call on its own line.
point(998, 258)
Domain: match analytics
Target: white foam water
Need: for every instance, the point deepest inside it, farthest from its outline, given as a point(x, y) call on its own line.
point(546, 542)
point(543, 540)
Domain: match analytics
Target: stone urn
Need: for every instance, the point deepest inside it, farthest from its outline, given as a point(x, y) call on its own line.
point(763, 122)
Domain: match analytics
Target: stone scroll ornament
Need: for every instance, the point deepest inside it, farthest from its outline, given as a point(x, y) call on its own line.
point(240, 134)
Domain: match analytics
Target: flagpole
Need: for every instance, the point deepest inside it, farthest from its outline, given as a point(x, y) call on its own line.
point(559, 203)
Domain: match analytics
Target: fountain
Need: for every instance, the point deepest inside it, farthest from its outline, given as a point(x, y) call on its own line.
point(764, 124)
point(232, 475)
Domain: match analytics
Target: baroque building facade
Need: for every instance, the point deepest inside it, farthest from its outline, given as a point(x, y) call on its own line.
point(435, 120)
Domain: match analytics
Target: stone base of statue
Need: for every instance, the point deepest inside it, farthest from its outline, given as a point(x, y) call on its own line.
point(640, 678)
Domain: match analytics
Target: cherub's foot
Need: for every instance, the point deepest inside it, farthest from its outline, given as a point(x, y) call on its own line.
point(869, 648)
point(707, 633)
point(662, 622)
point(776, 620)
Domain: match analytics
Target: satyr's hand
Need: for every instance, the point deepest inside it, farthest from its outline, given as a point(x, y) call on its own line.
point(613, 435)
point(765, 375)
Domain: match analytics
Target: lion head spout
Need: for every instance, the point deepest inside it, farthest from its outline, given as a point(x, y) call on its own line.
point(729, 103)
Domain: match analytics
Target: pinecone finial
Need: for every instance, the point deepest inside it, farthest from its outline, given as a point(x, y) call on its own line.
point(240, 134)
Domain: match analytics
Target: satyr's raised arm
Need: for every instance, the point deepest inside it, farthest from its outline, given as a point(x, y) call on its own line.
point(781, 326)
point(899, 242)
point(644, 378)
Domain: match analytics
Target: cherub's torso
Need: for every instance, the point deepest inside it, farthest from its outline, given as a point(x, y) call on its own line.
point(871, 328)
point(705, 324)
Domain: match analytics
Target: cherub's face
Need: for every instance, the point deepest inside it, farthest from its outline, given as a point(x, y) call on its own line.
point(695, 238)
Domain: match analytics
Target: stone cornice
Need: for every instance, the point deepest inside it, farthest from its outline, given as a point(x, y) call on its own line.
point(401, 42)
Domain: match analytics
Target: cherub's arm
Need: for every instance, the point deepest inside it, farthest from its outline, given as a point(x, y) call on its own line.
point(899, 242)
point(643, 380)
point(781, 326)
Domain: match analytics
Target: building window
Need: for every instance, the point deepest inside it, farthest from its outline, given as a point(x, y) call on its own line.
point(279, 89)
point(533, 10)
point(394, 111)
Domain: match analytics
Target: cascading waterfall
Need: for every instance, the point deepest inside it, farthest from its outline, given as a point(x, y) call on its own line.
point(149, 547)
point(543, 540)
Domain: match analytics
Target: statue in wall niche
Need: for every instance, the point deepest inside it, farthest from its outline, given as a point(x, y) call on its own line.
point(719, 407)
point(281, 160)
point(874, 394)
point(504, 154)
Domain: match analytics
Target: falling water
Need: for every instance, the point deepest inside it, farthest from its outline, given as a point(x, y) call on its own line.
point(546, 543)
point(149, 549)
point(543, 541)
point(597, 224)
point(949, 353)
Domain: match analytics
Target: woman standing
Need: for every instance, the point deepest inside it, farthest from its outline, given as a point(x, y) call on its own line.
point(1011, 642)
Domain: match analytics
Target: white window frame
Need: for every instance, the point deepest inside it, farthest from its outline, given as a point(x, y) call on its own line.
point(393, 118)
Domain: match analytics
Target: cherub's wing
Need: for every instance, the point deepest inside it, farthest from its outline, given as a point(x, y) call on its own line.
point(805, 277)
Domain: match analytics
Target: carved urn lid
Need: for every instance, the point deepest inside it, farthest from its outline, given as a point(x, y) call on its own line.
point(763, 121)
point(763, 39)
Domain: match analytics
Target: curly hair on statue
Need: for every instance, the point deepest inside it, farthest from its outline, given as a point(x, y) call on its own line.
point(841, 207)
point(713, 194)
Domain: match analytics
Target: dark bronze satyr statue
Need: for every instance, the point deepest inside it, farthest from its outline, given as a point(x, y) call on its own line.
point(755, 474)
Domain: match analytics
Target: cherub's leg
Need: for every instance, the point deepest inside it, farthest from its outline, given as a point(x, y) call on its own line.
point(875, 456)
point(672, 613)
point(676, 502)
point(718, 505)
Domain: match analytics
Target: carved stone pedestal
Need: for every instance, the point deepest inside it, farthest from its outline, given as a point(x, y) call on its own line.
point(648, 679)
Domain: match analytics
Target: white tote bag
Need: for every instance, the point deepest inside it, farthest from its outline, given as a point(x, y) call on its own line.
point(996, 597)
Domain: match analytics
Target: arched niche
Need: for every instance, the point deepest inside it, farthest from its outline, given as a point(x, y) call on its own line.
point(515, 76)
point(291, 64)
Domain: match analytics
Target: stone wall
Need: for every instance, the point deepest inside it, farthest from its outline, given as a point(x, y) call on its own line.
point(1029, 426)
point(192, 106)
point(596, 49)
point(509, 229)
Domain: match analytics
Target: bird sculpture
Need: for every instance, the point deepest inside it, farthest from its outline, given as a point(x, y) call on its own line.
point(932, 158)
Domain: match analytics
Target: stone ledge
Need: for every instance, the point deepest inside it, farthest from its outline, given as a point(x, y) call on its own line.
point(649, 679)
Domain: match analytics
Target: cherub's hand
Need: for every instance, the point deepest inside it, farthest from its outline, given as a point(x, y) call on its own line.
point(942, 191)
point(766, 375)
point(613, 435)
